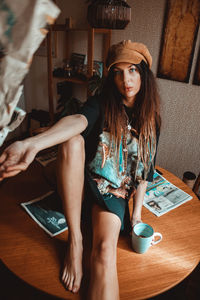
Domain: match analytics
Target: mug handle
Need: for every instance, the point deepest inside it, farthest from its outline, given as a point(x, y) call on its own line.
point(159, 240)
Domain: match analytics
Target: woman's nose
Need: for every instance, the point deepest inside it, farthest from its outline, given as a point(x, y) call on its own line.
point(126, 77)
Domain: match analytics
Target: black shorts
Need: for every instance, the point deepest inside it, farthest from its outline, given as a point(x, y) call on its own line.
point(109, 202)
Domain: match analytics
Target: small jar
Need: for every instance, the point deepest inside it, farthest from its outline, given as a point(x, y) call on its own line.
point(68, 71)
point(189, 179)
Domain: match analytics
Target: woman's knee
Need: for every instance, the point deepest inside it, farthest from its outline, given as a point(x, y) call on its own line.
point(104, 253)
point(74, 146)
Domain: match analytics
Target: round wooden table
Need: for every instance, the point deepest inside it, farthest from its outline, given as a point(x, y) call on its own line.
point(37, 258)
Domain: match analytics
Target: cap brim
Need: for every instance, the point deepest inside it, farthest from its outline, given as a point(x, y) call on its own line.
point(131, 61)
point(125, 56)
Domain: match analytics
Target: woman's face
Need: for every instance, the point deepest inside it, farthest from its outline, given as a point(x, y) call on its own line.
point(128, 81)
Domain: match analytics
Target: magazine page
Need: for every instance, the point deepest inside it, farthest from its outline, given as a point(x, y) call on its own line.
point(46, 211)
point(162, 196)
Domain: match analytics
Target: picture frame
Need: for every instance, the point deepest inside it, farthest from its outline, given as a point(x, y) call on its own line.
point(77, 60)
point(98, 68)
point(178, 39)
point(196, 79)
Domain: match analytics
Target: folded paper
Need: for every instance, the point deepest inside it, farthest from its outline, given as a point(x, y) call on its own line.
point(23, 26)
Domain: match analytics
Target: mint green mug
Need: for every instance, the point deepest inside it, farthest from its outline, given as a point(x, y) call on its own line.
point(143, 237)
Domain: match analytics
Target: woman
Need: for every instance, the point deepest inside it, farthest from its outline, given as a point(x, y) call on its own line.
point(110, 147)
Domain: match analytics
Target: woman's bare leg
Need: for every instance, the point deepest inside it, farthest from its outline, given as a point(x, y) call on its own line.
point(104, 280)
point(70, 180)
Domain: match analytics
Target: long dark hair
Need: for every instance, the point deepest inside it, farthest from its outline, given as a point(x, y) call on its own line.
point(146, 113)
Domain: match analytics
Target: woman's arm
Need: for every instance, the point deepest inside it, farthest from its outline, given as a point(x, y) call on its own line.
point(18, 156)
point(62, 131)
point(138, 202)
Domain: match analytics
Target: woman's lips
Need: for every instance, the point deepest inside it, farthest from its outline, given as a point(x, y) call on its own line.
point(128, 89)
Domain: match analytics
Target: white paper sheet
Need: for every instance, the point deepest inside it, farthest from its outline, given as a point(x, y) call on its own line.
point(23, 26)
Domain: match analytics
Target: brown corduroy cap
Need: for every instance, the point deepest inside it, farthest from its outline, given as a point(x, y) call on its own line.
point(129, 52)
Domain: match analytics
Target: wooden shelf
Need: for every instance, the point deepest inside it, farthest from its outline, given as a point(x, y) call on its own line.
point(102, 30)
point(90, 55)
point(71, 79)
point(62, 27)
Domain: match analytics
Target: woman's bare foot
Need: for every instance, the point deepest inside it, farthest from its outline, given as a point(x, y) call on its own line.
point(72, 272)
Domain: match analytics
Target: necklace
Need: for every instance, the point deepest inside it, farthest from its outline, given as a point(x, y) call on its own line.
point(129, 126)
point(126, 130)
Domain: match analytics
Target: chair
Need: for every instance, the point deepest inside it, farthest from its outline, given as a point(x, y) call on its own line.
point(40, 116)
point(197, 186)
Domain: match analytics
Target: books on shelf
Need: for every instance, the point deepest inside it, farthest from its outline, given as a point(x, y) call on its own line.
point(162, 196)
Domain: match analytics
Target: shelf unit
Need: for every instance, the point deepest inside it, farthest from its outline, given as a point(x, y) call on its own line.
point(90, 57)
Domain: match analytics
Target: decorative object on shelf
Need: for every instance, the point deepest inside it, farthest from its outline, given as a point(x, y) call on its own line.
point(64, 71)
point(67, 69)
point(196, 79)
point(74, 67)
point(76, 63)
point(95, 84)
point(77, 59)
point(111, 14)
point(78, 71)
point(98, 68)
point(178, 40)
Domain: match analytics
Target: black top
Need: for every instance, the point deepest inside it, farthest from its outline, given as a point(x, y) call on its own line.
point(94, 114)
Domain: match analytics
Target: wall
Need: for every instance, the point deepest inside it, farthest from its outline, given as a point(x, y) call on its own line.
point(179, 146)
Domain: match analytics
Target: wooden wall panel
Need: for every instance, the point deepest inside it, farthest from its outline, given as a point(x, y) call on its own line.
point(178, 40)
point(196, 79)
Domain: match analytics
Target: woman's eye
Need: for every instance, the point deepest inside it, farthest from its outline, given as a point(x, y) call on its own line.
point(132, 70)
point(117, 72)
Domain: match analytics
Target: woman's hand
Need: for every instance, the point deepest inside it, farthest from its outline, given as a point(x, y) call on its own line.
point(135, 221)
point(138, 202)
point(16, 158)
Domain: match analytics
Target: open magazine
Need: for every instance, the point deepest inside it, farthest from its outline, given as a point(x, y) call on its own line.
point(46, 211)
point(162, 196)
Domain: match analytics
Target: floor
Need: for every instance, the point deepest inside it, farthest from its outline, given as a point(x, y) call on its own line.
point(13, 288)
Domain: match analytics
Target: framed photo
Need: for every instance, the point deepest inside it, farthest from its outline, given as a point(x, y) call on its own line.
point(98, 68)
point(178, 40)
point(42, 50)
point(196, 79)
point(77, 60)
